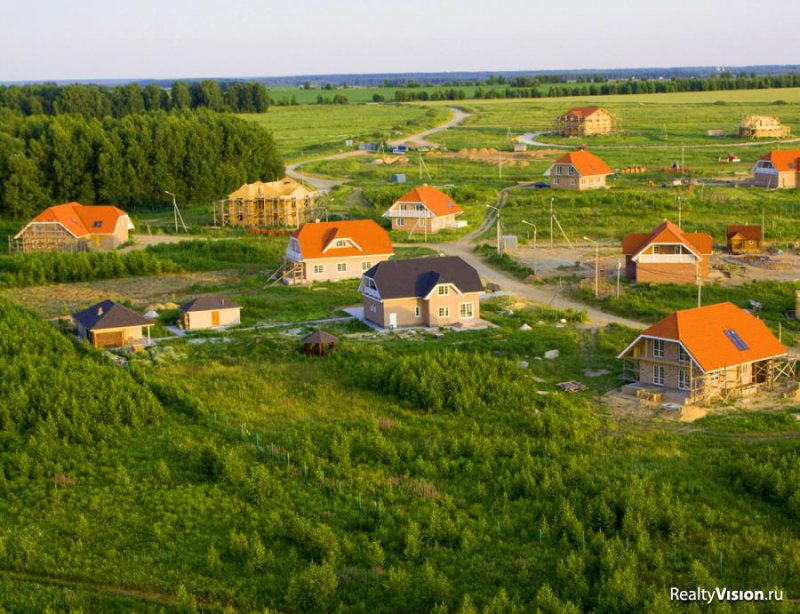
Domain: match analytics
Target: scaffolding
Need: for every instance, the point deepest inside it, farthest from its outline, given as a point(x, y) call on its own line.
point(598, 122)
point(265, 212)
point(45, 237)
point(289, 272)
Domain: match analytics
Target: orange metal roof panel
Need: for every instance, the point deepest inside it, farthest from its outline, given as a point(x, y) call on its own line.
point(315, 237)
point(587, 164)
point(437, 202)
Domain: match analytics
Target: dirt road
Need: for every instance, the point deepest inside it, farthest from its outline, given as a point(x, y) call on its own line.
point(325, 185)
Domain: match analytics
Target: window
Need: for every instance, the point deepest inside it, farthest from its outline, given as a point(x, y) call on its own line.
point(736, 339)
point(443, 290)
point(398, 221)
point(559, 170)
point(658, 375)
point(372, 308)
point(366, 265)
point(572, 182)
point(419, 207)
point(683, 379)
point(319, 269)
point(417, 311)
point(97, 224)
point(465, 311)
point(683, 356)
point(341, 267)
point(341, 242)
point(658, 348)
point(572, 170)
point(444, 312)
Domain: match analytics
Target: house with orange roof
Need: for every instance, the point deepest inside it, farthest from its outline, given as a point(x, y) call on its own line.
point(578, 170)
point(284, 202)
point(744, 239)
point(72, 227)
point(585, 121)
point(667, 255)
point(424, 210)
point(698, 355)
point(331, 251)
point(778, 169)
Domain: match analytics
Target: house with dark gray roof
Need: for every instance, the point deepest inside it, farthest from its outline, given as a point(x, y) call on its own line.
point(108, 324)
point(422, 292)
point(211, 311)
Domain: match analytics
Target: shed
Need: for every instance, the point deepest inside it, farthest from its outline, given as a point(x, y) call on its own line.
point(520, 147)
point(398, 178)
point(211, 311)
point(319, 343)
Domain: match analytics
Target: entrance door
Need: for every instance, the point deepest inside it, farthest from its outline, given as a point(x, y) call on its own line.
point(392, 320)
point(215, 318)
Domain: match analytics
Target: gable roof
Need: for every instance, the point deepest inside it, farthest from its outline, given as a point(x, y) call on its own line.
point(369, 239)
point(635, 242)
point(81, 220)
point(108, 314)
point(587, 164)
point(583, 111)
point(282, 188)
point(418, 276)
point(784, 159)
point(714, 334)
point(435, 201)
point(753, 232)
point(319, 337)
point(211, 302)
point(760, 121)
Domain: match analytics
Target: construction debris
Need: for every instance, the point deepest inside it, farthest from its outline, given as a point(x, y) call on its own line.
point(572, 386)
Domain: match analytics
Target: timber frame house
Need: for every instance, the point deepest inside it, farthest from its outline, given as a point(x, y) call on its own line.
point(585, 121)
point(696, 356)
point(284, 203)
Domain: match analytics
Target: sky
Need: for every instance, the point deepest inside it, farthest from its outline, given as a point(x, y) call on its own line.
point(138, 39)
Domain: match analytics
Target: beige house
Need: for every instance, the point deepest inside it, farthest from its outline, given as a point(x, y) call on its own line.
point(578, 170)
point(585, 121)
point(73, 227)
point(424, 210)
point(108, 324)
point(332, 251)
point(778, 169)
point(763, 127)
point(699, 355)
point(667, 255)
point(276, 203)
point(427, 292)
point(209, 312)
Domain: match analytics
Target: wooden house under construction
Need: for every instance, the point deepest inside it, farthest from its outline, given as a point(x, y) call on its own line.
point(585, 121)
point(717, 352)
point(763, 127)
point(73, 227)
point(276, 203)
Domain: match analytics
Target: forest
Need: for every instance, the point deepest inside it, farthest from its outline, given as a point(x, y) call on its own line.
point(199, 155)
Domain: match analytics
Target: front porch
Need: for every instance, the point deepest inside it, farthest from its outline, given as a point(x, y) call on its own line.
point(658, 394)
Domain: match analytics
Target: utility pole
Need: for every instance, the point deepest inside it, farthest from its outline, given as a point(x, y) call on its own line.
point(619, 271)
point(175, 212)
point(596, 266)
point(534, 242)
point(551, 222)
point(699, 283)
point(498, 227)
point(763, 227)
point(680, 213)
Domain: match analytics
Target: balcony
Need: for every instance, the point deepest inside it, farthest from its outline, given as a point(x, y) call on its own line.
point(666, 258)
point(408, 213)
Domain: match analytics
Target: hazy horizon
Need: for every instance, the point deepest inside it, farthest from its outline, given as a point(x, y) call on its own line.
point(91, 40)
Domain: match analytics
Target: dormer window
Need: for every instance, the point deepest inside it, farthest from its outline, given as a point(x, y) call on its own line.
point(341, 243)
point(97, 224)
point(443, 290)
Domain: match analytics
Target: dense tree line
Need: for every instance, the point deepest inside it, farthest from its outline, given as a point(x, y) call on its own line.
point(198, 155)
point(99, 101)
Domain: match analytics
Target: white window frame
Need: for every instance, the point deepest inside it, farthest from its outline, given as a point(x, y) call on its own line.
point(443, 291)
point(444, 312)
point(658, 375)
point(319, 269)
point(658, 348)
point(366, 265)
point(341, 267)
point(683, 356)
point(684, 381)
point(469, 307)
point(417, 312)
point(340, 243)
point(398, 221)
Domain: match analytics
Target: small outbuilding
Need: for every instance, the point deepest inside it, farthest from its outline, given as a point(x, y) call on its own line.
point(108, 324)
point(213, 311)
point(744, 239)
point(319, 343)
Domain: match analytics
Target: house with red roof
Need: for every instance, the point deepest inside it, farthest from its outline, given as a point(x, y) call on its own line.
point(778, 169)
point(744, 238)
point(667, 255)
point(424, 210)
point(578, 170)
point(74, 227)
point(331, 251)
point(585, 121)
point(698, 355)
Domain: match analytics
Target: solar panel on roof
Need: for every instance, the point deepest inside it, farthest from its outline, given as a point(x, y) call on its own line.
point(736, 339)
